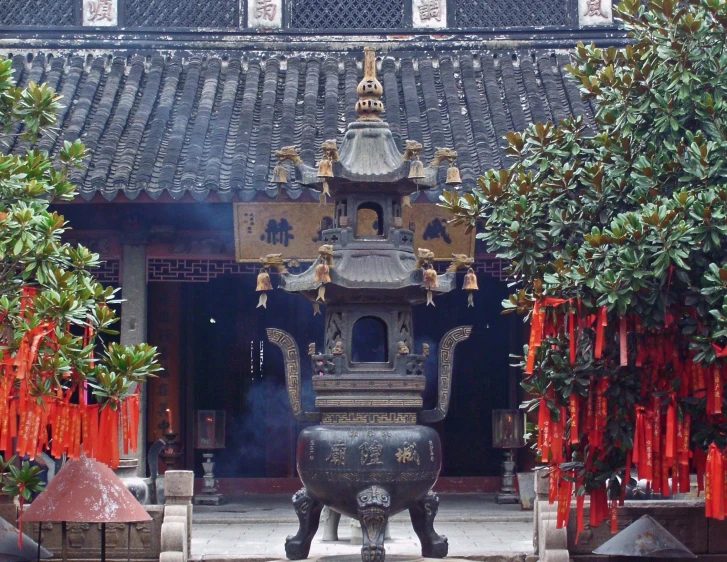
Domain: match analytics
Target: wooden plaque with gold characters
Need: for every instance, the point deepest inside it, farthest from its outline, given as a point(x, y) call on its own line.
point(294, 230)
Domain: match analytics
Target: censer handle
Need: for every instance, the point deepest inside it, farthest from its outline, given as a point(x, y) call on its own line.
point(444, 378)
point(287, 345)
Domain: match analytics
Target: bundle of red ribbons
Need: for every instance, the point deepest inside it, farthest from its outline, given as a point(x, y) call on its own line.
point(58, 426)
point(661, 452)
point(31, 424)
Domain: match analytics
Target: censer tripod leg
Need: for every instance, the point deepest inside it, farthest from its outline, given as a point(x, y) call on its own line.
point(422, 515)
point(373, 512)
point(308, 509)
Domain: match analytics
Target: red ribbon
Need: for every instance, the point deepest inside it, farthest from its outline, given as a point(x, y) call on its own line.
point(671, 429)
point(574, 407)
point(564, 503)
point(623, 342)
point(536, 336)
point(714, 487)
point(572, 336)
point(601, 324)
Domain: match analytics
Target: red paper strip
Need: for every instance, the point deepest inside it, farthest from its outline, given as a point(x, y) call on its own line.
point(601, 324)
point(574, 407)
point(536, 336)
point(572, 336)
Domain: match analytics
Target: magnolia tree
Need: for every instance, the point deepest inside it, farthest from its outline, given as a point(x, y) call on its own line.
point(62, 390)
point(616, 242)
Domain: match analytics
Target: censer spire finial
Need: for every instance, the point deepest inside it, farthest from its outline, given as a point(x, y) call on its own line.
point(369, 105)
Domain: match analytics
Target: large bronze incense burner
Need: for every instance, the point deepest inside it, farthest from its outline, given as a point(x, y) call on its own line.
point(368, 458)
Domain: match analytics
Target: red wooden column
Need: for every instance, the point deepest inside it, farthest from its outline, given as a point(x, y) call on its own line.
point(165, 332)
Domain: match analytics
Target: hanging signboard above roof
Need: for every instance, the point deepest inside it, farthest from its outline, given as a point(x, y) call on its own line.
point(294, 230)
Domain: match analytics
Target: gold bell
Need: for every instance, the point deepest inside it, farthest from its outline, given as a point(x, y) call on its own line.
point(263, 285)
point(470, 285)
point(470, 281)
point(322, 274)
point(280, 174)
point(430, 282)
point(453, 177)
point(263, 282)
point(416, 169)
point(325, 168)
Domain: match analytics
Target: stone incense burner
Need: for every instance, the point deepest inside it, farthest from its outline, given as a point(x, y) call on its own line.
point(368, 458)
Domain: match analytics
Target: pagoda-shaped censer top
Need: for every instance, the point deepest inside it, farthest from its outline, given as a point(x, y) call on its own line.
point(369, 456)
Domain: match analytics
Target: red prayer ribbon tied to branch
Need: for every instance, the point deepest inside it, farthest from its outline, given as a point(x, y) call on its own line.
point(61, 427)
point(661, 451)
point(539, 328)
point(31, 424)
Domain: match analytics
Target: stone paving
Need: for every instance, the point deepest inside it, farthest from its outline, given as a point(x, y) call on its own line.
point(254, 528)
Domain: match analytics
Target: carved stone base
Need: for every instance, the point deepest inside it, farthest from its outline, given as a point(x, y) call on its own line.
point(506, 497)
point(374, 504)
point(308, 509)
point(208, 499)
point(422, 519)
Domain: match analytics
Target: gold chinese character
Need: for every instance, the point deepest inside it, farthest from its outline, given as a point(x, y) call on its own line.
point(408, 453)
point(371, 453)
point(338, 454)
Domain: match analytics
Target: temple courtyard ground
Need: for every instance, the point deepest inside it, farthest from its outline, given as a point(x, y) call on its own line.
point(254, 527)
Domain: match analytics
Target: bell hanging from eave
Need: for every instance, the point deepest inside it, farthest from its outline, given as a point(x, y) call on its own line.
point(453, 177)
point(263, 285)
point(280, 176)
point(325, 167)
point(416, 169)
point(470, 285)
point(322, 276)
point(325, 171)
point(430, 282)
point(323, 270)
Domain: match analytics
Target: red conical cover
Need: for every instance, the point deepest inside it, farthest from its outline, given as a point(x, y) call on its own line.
point(86, 491)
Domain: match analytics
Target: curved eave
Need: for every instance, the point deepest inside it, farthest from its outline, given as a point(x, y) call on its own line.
point(408, 289)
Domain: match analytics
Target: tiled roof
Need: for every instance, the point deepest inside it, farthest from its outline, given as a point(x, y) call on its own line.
point(211, 123)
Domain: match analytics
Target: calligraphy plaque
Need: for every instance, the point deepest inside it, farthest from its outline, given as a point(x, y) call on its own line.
point(595, 12)
point(265, 14)
point(294, 230)
point(100, 13)
point(430, 14)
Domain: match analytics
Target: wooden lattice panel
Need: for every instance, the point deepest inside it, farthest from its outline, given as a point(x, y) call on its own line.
point(109, 272)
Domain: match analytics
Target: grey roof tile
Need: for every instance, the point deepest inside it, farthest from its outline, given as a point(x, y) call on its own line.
point(199, 124)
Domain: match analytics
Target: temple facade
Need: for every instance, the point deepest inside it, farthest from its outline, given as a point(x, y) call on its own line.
point(187, 106)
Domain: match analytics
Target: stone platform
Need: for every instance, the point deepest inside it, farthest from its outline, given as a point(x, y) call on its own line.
point(506, 557)
point(253, 528)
